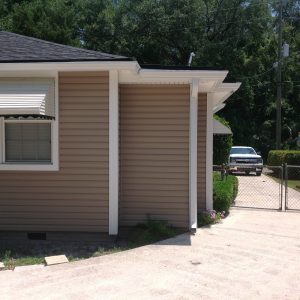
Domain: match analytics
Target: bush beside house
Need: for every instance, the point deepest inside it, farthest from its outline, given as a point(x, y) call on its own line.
point(222, 144)
point(224, 192)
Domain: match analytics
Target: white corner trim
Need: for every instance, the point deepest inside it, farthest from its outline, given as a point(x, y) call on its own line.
point(55, 127)
point(193, 153)
point(209, 152)
point(113, 152)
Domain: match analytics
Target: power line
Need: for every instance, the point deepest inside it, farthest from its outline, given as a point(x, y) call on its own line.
point(255, 76)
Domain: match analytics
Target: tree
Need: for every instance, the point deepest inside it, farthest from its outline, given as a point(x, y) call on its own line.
point(54, 20)
point(237, 35)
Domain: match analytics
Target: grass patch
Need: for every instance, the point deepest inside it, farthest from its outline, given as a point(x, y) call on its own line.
point(30, 256)
point(294, 184)
point(22, 253)
point(224, 191)
point(11, 260)
point(150, 232)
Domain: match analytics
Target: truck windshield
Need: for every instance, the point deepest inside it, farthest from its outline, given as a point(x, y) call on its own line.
point(242, 151)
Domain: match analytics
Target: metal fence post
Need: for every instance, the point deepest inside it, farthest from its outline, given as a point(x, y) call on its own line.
point(281, 186)
point(285, 186)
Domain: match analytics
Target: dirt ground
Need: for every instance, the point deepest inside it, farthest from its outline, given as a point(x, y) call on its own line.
point(253, 254)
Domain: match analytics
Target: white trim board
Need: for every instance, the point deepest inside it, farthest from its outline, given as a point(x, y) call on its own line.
point(113, 152)
point(193, 153)
point(71, 66)
point(209, 152)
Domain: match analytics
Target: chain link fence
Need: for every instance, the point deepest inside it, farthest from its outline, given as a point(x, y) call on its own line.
point(263, 191)
point(277, 187)
point(292, 187)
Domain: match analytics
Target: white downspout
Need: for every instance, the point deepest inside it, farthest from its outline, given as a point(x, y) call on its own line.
point(193, 153)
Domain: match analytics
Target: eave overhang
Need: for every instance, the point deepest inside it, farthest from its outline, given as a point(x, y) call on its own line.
point(130, 72)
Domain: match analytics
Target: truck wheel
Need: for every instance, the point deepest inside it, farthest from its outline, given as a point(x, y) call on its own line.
point(258, 173)
point(247, 173)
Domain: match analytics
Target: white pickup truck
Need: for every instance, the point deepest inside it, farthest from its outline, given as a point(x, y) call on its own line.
point(245, 159)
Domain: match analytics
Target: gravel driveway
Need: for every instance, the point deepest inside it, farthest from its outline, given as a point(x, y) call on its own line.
point(251, 255)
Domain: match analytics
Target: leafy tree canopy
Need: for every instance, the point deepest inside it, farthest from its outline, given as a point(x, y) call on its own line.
point(238, 35)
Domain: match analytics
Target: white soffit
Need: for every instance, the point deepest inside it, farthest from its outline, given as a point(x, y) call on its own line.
point(218, 108)
point(223, 92)
point(208, 79)
point(27, 97)
point(219, 128)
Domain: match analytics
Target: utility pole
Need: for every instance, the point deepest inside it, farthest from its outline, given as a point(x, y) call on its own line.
point(279, 80)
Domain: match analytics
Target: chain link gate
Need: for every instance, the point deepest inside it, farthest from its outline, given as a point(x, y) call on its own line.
point(292, 187)
point(265, 191)
point(276, 188)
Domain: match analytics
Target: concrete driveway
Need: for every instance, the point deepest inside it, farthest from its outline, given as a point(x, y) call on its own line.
point(252, 255)
point(258, 191)
point(264, 192)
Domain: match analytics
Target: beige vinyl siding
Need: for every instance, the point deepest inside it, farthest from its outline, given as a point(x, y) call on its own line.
point(202, 115)
point(154, 153)
point(76, 197)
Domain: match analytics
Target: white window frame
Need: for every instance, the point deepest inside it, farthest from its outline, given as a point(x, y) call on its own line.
point(42, 166)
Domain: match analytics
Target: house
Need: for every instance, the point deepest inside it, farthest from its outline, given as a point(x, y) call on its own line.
point(92, 141)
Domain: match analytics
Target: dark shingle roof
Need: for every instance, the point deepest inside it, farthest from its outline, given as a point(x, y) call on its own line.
point(19, 48)
point(181, 68)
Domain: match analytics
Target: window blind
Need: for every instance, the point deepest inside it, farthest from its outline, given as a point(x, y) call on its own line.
point(28, 142)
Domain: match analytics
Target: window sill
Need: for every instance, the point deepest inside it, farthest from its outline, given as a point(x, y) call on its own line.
point(28, 167)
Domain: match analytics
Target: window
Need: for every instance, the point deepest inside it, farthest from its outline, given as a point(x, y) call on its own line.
point(27, 142)
point(29, 124)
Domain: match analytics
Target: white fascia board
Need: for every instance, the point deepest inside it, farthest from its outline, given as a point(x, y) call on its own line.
point(71, 66)
point(191, 74)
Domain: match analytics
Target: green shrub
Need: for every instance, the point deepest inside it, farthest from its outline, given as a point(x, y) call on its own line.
point(279, 157)
point(222, 145)
point(224, 192)
point(290, 157)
